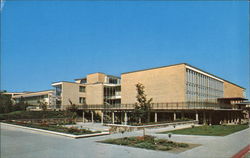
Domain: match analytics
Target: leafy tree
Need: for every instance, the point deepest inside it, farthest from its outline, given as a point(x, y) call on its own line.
point(43, 104)
point(5, 102)
point(142, 106)
point(72, 107)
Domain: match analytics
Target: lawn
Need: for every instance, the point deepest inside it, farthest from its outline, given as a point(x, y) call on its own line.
point(214, 130)
point(148, 142)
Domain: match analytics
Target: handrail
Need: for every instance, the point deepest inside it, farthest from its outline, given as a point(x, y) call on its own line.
point(159, 106)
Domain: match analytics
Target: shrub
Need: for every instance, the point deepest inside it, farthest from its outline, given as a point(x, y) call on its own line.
point(145, 145)
point(149, 139)
point(36, 115)
point(122, 141)
point(73, 130)
point(182, 145)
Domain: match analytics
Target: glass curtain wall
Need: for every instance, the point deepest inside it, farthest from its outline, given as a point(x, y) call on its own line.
point(200, 87)
point(112, 95)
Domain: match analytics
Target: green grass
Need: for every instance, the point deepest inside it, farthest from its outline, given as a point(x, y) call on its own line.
point(147, 142)
point(214, 130)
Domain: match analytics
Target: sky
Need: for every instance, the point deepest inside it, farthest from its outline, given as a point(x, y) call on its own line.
point(48, 41)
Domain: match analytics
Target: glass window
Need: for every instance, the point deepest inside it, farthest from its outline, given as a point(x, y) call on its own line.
point(81, 88)
point(82, 100)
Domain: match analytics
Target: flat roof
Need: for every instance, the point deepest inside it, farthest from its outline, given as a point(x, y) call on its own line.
point(64, 81)
point(80, 78)
point(96, 73)
point(33, 94)
point(186, 65)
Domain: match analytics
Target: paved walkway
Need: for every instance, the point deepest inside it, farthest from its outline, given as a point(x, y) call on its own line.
point(21, 143)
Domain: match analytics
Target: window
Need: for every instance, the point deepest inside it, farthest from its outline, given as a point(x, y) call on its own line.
point(113, 80)
point(81, 89)
point(82, 100)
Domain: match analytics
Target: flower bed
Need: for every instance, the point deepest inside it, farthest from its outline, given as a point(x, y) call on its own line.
point(56, 128)
point(147, 142)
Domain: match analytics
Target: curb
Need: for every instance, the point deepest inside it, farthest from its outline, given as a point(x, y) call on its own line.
point(58, 133)
point(242, 152)
point(155, 125)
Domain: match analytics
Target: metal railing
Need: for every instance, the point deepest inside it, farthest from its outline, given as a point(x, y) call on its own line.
point(162, 106)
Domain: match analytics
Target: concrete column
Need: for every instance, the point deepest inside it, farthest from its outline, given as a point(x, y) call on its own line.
point(125, 118)
point(101, 117)
point(174, 116)
point(196, 116)
point(210, 118)
point(83, 117)
point(182, 115)
point(113, 117)
point(92, 116)
point(228, 118)
point(155, 116)
point(204, 118)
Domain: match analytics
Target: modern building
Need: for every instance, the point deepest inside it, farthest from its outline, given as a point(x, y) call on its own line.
point(178, 83)
point(179, 91)
point(37, 99)
point(94, 89)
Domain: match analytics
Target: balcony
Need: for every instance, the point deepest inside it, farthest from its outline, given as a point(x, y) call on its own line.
point(165, 106)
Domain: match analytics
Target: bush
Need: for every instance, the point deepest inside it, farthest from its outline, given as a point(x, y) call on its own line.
point(147, 142)
point(73, 130)
point(182, 145)
point(145, 145)
point(36, 115)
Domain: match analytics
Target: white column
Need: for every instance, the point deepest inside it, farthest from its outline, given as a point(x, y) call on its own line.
point(113, 117)
point(101, 117)
point(204, 117)
point(125, 118)
point(182, 115)
point(83, 117)
point(196, 116)
point(210, 118)
point(92, 116)
point(174, 116)
point(155, 116)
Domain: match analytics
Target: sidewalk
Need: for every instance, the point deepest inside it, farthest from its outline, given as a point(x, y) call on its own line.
point(40, 145)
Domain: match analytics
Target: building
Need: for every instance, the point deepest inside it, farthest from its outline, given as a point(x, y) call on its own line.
point(178, 83)
point(94, 89)
point(179, 91)
point(11, 94)
point(36, 99)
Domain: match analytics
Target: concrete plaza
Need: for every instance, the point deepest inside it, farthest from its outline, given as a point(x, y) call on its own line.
point(22, 143)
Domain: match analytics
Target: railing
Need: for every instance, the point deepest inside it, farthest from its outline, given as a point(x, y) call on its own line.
point(162, 106)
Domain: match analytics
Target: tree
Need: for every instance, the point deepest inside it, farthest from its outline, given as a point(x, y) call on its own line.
point(72, 107)
point(5, 102)
point(43, 104)
point(142, 106)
